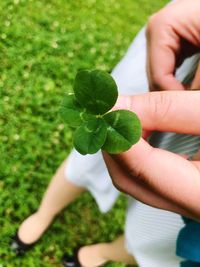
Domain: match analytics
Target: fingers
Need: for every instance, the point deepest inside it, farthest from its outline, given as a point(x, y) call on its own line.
point(168, 175)
point(125, 183)
point(173, 34)
point(167, 111)
point(163, 45)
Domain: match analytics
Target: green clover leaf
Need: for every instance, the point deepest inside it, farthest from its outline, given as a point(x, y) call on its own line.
point(95, 90)
point(90, 136)
point(123, 130)
point(95, 93)
point(71, 112)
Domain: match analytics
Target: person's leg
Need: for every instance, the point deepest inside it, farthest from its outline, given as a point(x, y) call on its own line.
point(60, 193)
point(98, 254)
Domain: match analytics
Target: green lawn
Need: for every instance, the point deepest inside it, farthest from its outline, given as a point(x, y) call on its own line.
point(42, 45)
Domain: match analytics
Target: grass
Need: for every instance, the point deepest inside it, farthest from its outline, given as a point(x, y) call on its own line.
point(42, 45)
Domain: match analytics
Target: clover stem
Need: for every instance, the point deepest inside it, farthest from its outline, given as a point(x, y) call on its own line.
point(98, 116)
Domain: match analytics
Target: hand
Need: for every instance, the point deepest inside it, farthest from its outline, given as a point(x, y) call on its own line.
point(173, 34)
point(154, 176)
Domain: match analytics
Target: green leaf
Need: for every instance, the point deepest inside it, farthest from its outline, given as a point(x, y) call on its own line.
point(71, 112)
point(124, 130)
point(90, 136)
point(95, 93)
point(95, 90)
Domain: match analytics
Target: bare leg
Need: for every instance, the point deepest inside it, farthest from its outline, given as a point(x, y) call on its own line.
point(60, 193)
point(98, 254)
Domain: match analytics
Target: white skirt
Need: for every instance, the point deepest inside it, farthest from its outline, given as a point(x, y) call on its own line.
point(150, 233)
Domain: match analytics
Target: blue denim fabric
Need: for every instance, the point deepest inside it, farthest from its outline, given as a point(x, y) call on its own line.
point(188, 243)
point(190, 264)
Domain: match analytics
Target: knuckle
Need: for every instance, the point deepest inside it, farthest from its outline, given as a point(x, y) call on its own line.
point(152, 21)
point(137, 170)
point(138, 175)
point(160, 104)
point(157, 21)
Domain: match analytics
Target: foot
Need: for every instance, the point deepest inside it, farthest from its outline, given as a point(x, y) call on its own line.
point(91, 256)
point(33, 228)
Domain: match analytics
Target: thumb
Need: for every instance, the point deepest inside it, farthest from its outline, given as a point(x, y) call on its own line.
point(173, 111)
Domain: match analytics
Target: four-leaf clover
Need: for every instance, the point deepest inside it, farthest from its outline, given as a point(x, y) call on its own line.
point(87, 110)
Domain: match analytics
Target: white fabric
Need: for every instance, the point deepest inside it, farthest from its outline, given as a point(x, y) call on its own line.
point(89, 171)
point(150, 233)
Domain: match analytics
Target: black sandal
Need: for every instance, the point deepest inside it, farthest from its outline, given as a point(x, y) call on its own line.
point(19, 247)
point(71, 261)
